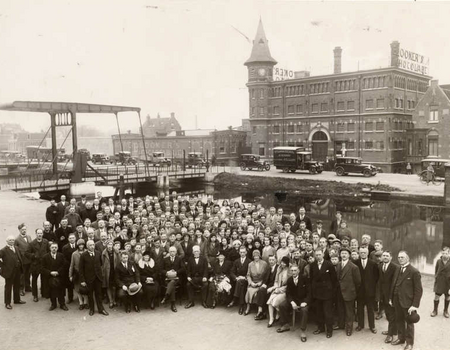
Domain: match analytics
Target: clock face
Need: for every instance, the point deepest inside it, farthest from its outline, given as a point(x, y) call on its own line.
point(261, 72)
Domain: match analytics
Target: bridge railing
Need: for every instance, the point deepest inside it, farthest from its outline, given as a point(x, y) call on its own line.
point(34, 181)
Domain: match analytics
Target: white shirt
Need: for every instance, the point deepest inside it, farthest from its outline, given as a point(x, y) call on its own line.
point(344, 263)
point(242, 261)
point(364, 263)
point(196, 260)
point(319, 264)
point(12, 248)
point(54, 256)
point(385, 266)
point(125, 265)
point(296, 280)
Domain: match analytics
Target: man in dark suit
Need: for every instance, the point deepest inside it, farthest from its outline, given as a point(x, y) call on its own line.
point(368, 270)
point(53, 266)
point(157, 253)
point(406, 296)
point(388, 272)
point(197, 277)
point(221, 270)
point(62, 205)
point(38, 248)
point(298, 299)
point(62, 233)
point(323, 285)
point(52, 214)
point(67, 251)
point(173, 271)
point(239, 277)
point(10, 269)
point(336, 223)
point(349, 280)
point(126, 274)
point(91, 276)
point(266, 289)
point(302, 217)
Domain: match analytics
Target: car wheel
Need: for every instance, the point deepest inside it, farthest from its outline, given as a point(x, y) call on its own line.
point(367, 173)
point(312, 170)
point(292, 170)
point(339, 171)
point(242, 165)
point(267, 167)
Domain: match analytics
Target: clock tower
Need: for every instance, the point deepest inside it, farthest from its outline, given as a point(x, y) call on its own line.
point(260, 76)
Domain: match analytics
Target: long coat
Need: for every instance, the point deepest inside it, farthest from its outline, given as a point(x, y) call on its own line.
point(8, 261)
point(91, 267)
point(106, 266)
point(349, 280)
point(409, 287)
point(386, 281)
point(23, 245)
point(323, 281)
point(442, 277)
point(369, 279)
point(48, 265)
point(36, 252)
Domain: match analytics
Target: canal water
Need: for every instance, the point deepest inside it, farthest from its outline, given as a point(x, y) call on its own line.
point(419, 229)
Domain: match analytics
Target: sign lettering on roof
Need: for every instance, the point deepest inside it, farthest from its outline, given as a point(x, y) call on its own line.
point(413, 62)
point(282, 74)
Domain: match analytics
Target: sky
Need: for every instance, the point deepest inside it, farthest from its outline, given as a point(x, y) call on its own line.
point(187, 56)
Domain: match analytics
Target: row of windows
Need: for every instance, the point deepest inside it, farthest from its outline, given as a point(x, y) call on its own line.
point(411, 104)
point(345, 85)
point(257, 92)
point(374, 82)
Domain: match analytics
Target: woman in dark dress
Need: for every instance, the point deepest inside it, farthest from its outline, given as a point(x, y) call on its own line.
point(149, 271)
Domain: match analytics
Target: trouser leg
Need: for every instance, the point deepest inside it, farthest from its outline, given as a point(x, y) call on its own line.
point(303, 311)
point(8, 289)
point(16, 286)
point(34, 288)
point(400, 318)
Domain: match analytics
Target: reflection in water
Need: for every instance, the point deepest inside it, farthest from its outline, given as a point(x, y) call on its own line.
point(416, 228)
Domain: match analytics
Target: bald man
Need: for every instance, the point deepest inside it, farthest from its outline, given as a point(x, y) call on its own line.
point(11, 269)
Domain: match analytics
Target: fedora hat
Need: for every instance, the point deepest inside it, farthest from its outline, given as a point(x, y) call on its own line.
point(83, 290)
point(133, 288)
point(413, 317)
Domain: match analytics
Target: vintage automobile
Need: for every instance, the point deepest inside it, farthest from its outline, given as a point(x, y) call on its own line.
point(346, 165)
point(100, 158)
point(253, 161)
point(195, 159)
point(158, 159)
point(438, 165)
point(291, 159)
point(125, 158)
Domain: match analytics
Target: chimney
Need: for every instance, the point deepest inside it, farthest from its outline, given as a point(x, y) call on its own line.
point(395, 50)
point(337, 59)
point(434, 83)
point(172, 115)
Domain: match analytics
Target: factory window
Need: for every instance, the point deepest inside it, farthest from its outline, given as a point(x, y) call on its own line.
point(276, 129)
point(368, 126)
point(291, 109)
point(261, 94)
point(254, 129)
point(262, 150)
point(351, 145)
point(369, 104)
point(299, 109)
point(340, 127)
point(340, 106)
point(350, 126)
point(315, 108)
point(300, 128)
point(261, 110)
point(368, 145)
point(324, 107)
point(350, 105)
point(434, 116)
point(291, 129)
point(380, 103)
point(276, 110)
point(380, 126)
point(380, 145)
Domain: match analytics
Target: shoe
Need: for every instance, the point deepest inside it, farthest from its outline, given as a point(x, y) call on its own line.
point(388, 339)
point(22, 293)
point(20, 302)
point(246, 312)
point(81, 307)
point(408, 347)
point(91, 312)
point(373, 330)
point(398, 342)
point(111, 305)
point(259, 317)
point(64, 307)
point(53, 307)
point(434, 313)
point(385, 333)
point(379, 316)
point(213, 306)
point(173, 308)
point(303, 339)
point(104, 313)
point(189, 305)
point(204, 305)
point(136, 308)
point(230, 304)
point(35, 299)
point(446, 315)
point(283, 329)
point(357, 329)
point(329, 334)
point(241, 310)
point(269, 325)
point(318, 331)
point(8, 306)
point(163, 301)
point(349, 332)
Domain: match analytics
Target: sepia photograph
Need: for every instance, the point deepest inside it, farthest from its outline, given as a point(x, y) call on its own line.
point(224, 174)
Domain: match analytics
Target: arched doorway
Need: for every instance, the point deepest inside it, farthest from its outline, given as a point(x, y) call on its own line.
point(319, 146)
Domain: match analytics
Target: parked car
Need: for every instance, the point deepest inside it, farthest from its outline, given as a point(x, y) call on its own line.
point(253, 161)
point(438, 165)
point(100, 158)
point(295, 158)
point(195, 159)
point(346, 165)
point(158, 159)
point(125, 158)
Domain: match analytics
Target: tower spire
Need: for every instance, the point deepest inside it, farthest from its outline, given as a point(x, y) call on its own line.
point(260, 50)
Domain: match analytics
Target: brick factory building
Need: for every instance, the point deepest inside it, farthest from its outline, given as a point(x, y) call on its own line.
point(365, 112)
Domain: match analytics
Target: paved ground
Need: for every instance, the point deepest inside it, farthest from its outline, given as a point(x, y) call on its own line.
point(32, 326)
point(406, 183)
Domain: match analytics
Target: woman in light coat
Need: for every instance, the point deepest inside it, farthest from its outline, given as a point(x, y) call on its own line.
point(257, 273)
point(278, 291)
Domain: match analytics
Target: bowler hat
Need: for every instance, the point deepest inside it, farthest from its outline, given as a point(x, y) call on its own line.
point(133, 288)
point(83, 290)
point(345, 249)
point(413, 317)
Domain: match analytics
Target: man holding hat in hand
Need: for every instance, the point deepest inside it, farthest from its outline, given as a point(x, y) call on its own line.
point(406, 297)
point(128, 283)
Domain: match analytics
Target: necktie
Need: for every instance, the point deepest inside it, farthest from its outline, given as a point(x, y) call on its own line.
point(54, 256)
point(12, 248)
point(126, 266)
point(384, 267)
point(403, 269)
point(172, 259)
point(364, 264)
point(72, 246)
point(92, 254)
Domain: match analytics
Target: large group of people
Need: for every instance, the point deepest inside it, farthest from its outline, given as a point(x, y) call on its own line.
point(153, 251)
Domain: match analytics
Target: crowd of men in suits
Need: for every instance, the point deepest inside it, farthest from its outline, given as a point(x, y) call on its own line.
point(151, 251)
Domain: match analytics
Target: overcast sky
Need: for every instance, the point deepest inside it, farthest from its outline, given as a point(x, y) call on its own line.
point(186, 57)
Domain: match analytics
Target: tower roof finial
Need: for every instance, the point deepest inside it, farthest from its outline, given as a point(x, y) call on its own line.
point(260, 50)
